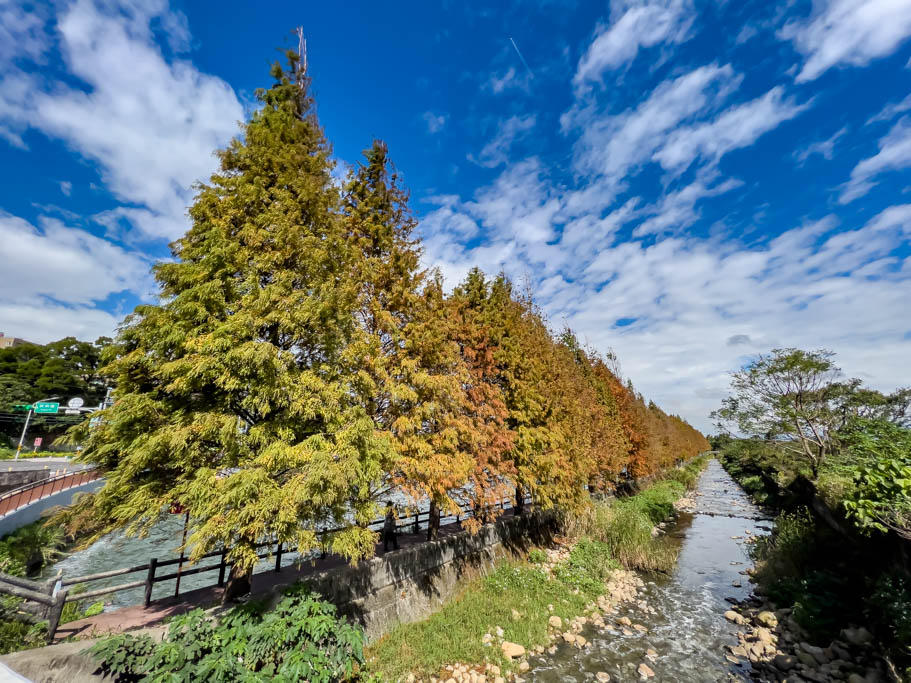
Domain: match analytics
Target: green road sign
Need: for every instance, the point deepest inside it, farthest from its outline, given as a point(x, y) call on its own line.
point(47, 407)
point(22, 407)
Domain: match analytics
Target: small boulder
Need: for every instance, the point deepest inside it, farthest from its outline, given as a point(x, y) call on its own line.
point(857, 636)
point(512, 650)
point(624, 621)
point(645, 671)
point(767, 619)
point(602, 676)
point(555, 622)
point(785, 662)
point(523, 666)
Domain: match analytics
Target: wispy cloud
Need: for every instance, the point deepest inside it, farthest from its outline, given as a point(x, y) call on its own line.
point(435, 122)
point(634, 24)
point(894, 154)
point(496, 152)
point(824, 148)
point(853, 32)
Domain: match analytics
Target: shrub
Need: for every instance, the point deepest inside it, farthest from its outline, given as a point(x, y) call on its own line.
point(301, 639)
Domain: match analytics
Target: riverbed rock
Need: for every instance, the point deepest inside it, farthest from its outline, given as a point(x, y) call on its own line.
point(856, 678)
point(512, 650)
point(806, 658)
point(764, 635)
point(732, 616)
point(624, 621)
point(784, 662)
point(602, 676)
point(767, 619)
point(857, 636)
point(645, 671)
point(523, 666)
point(569, 637)
point(555, 622)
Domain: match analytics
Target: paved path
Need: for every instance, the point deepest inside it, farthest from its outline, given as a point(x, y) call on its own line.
point(137, 616)
point(63, 464)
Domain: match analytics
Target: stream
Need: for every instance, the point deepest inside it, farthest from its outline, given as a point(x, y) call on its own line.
point(688, 629)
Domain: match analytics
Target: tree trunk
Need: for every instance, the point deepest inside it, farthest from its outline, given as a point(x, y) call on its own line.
point(433, 521)
point(520, 500)
point(239, 584)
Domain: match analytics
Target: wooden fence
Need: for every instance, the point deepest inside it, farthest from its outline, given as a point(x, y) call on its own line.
point(54, 594)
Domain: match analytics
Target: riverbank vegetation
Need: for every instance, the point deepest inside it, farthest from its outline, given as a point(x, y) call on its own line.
point(834, 459)
point(301, 363)
point(519, 597)
point(299, 639)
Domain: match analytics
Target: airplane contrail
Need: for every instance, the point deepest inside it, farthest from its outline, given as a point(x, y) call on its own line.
point(521, 57)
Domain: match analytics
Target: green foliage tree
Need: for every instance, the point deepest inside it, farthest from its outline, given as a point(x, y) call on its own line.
point(234, 394)
point(788, 394)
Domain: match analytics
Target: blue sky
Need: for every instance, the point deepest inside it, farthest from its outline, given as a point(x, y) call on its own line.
point(686, 183)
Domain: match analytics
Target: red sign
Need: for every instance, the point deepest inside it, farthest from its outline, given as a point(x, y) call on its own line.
point(37, 441)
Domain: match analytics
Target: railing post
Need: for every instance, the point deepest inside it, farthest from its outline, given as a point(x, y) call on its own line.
point(278, 557)
point(221, 567)
point(150, 581)
point(417, 522)
point(53, 614)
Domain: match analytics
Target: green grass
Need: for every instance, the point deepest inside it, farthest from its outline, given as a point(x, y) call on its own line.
point(454, 634)
point(611, 534)
point(10, 454)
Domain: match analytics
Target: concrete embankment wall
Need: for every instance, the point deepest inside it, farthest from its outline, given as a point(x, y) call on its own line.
point(12, 479)
point(401, 587)
point(412, 584)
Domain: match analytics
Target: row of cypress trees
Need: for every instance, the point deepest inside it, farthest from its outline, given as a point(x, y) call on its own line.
point(300, 363)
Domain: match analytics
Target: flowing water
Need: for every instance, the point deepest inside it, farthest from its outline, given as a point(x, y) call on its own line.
point(688, 629)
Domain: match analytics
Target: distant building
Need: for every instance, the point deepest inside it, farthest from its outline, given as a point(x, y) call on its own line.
point(8, 342)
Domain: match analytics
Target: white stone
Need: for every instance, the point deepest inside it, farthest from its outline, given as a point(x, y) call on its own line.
point(512, 650)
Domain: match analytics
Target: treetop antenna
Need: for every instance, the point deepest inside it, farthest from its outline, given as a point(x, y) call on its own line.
point(301, 48)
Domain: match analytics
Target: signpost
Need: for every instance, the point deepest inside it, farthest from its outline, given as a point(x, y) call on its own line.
point(45, 406)
point(38, 441)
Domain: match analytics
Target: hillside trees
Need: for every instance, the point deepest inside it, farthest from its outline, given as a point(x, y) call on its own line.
point(301, 363)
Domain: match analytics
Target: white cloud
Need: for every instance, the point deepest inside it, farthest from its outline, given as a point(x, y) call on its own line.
point(634, 24)
point(66, 187)
point(615, 145)
point(894, 154)
point(151, 125)
point(824, 148)
point(851, 32)
point(66, 264)
point(677, 210)
point(496, 151)
point(737, 127)
point(44, 321)
point(435, 122)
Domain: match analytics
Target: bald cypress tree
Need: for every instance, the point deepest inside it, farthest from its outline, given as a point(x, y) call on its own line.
point(236, 396)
